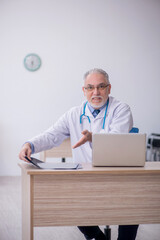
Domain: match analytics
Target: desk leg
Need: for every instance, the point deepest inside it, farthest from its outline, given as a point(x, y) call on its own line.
point(27, 214)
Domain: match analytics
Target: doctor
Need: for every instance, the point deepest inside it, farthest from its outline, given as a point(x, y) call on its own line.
point(100, 113)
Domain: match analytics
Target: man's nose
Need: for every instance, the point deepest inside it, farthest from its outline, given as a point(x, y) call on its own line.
point(96, 91)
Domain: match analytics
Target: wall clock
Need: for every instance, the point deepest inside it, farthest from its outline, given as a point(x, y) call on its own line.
point(32, 62)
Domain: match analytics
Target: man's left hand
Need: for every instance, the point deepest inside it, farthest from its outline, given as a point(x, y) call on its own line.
point(87, 136)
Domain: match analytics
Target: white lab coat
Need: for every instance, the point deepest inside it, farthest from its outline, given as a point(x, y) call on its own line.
point(118, 120)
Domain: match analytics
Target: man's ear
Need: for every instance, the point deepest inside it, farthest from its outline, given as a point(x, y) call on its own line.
point(109, 89)
point(83, 89)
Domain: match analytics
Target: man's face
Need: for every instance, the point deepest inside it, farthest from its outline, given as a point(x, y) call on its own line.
point(96, 89)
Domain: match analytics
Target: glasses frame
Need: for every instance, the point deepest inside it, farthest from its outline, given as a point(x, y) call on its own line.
point(98, 87)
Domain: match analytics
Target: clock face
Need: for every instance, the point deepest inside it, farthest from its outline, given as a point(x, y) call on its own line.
point(32, 62)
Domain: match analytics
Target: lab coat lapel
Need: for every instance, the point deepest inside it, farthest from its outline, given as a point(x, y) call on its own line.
point(100, 115)
point(88, 113)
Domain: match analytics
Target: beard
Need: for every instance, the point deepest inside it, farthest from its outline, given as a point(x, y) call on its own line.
point(97, 104)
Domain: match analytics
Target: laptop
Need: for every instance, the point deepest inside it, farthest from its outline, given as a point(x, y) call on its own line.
point(56, 166)
point(119, 149)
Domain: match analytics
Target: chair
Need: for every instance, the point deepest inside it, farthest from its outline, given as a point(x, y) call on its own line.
point(153, 147)
point(62, 151)
point(134, 130)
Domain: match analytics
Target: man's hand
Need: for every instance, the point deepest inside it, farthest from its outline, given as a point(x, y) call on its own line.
point(87, 136)
point(25, 151)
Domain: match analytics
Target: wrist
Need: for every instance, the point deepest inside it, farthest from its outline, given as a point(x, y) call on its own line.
point(27, 144)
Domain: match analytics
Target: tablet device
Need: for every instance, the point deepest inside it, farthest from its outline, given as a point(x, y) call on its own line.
point(59, 166)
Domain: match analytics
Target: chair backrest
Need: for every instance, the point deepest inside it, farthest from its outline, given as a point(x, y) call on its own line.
point(62, 151)
point(134, 130)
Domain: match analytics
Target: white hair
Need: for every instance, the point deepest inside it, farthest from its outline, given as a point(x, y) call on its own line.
point(97, 70)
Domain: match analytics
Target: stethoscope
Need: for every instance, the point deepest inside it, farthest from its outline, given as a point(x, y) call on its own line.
point(104, 118)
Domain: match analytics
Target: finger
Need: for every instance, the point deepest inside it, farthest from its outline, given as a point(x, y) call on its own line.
point(88, 135)
point(84, 132)
point(80, 142)
point(22, 156)
point(29, 154)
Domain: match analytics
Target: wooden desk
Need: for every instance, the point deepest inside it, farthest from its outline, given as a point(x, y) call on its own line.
point(89, 196)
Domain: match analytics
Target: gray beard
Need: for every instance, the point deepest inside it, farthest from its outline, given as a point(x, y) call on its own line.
point(97, 106)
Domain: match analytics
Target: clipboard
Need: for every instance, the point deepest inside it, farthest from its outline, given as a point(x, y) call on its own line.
point(55, 166)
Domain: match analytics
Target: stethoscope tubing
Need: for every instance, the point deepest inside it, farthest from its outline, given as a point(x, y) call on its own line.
point(104, 118)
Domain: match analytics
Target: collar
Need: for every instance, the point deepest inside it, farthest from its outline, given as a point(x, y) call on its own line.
point(92, 109)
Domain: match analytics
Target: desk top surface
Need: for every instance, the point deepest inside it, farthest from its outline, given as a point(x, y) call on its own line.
point(87, 168)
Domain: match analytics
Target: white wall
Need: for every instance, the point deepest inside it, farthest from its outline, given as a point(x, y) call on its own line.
point(71, 37)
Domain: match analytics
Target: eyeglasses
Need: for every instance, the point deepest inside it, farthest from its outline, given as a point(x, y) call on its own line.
point(100, 87)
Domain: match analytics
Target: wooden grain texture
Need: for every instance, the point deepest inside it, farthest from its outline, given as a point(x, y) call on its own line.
point(27, 206)
point(150, 167)
point(90, 196)
point(92, 199)
point(10, 219)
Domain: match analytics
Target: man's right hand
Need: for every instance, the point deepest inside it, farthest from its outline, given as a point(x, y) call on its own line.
point(25, 152)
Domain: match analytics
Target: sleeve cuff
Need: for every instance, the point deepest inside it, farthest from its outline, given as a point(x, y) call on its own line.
point(32, 146)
